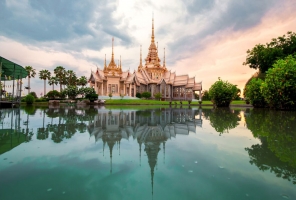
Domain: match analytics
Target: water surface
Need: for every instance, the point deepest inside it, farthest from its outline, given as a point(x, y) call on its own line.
point(141, 153)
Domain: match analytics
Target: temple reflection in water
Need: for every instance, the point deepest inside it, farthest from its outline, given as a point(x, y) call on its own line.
point(150, 128)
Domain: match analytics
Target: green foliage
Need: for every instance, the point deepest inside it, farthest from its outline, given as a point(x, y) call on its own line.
point(157, 96)
point(205, 96)
point(41, 99)
point(280, 84)
point(254, 94)
point(110, 95)
point(276, 153)
point(223, 119)
point(86, 91)
point(138, 95)
point(262, 57)
point(53, 94)
point(222, 93)
point(92, 97)
point(29, 99)
point(72, 91)
point(146, 95)
point(33, 94)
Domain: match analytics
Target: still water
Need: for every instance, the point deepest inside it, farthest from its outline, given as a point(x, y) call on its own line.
point(141, 153)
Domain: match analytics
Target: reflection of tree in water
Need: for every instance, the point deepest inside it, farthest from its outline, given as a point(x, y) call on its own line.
point(222, 119)
point(276, 130)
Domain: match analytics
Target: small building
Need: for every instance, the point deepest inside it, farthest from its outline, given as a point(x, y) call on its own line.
point(152, 76)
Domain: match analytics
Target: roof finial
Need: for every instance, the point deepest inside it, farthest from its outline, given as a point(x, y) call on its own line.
point(152, 37)
point(112, 49)
point(140, 55)
point(163, 57)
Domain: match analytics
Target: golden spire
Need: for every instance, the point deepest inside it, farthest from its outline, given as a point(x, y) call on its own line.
point(164, 57)
point(141, 55)
point(112, 49)
point(152, 36)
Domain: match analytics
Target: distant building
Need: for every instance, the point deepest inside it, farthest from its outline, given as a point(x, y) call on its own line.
point(153, 77)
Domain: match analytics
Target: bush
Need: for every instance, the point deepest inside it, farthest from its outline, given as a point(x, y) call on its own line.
point(29, 99)
point(222, 93)
point(53, 94)
point(280, 84)
point(86, 90)
point(139, 95)
point(253, 93)
point(71, 91)
point(92, 97)
point(157, 96)
point(146, 95)
point(110, 95)
point(33, 94)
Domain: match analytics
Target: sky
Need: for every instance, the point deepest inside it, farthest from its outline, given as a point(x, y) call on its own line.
point(205, 39)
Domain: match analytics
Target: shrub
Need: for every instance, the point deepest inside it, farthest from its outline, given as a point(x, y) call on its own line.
point(253, 93)
point(138, 95)
point(222, 93)
point(29, 99)
point(146, 95)
point(71, 91)
point(110, 95)
point(92, 97)
point(280, 84)
point(33, 94)
point(157, 96)
point(53, 94)
point(86, 90)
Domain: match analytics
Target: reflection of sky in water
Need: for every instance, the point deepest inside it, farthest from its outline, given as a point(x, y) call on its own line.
point(199, 165)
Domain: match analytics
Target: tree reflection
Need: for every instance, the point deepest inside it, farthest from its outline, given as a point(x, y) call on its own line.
point(277, 151)
point(222, 119)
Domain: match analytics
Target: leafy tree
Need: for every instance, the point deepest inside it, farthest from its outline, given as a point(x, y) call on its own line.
point(31, 74)
point(222, 93)
point(205, 95)
point(157, 96)
point(53, 94)
point(72, 91)
point(280, 84)
point(44, 75)
point(82, 81)
point(262, 57)
point(33, 94)
point(254, 94)
point(60, 73)
point(86, 90)
point(146, 95)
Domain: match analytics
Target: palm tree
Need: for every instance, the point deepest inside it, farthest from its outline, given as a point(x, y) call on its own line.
point(44, 75)
point(53, 81)
point(71, 78)
point(82, 81)
point(31, 74)
point(60, 73)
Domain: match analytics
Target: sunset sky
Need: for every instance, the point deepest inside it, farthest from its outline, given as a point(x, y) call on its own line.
point(203, 38)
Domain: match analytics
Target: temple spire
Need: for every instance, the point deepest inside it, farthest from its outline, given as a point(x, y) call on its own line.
point(163, 57)
point(120, 62)
point(112, 49)
point(152, 36)
point(105, 66)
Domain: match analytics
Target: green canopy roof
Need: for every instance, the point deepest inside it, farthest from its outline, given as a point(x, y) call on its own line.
point(10, 70)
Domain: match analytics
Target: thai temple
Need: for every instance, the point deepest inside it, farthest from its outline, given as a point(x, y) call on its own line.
point(152, 76)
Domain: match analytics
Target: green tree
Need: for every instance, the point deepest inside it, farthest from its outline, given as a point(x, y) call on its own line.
point(44, 75)
point(222, 93)
point(262, 57)
point(254, 94)
point(72, 91)
point(31, 74)
point(82, 81)
point(146, 95)
point(60, 73)
point(71, 78)
point(53, 81)
point(138, 95)
point(29, 99)
point(280, 84)
point(205, 95)
point(53, 94)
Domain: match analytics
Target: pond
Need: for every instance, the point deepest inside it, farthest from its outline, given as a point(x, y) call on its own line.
point(147, 153)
